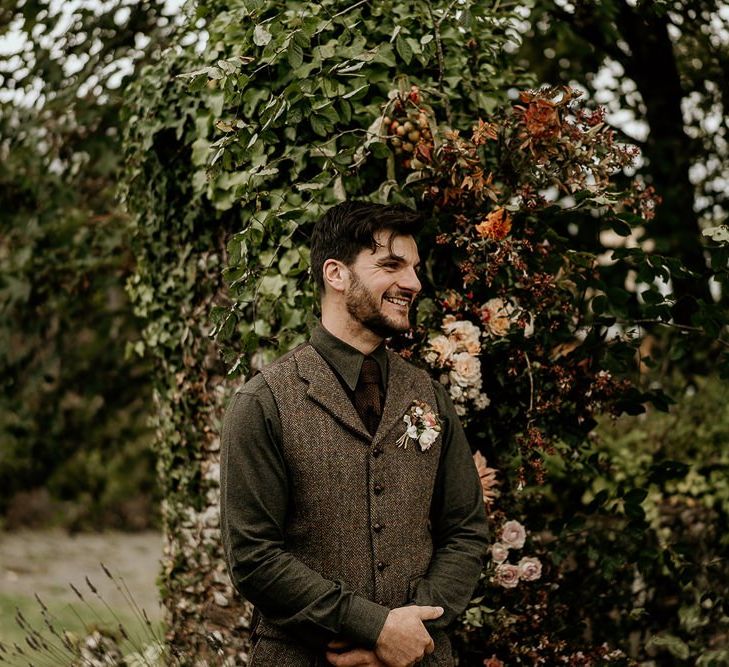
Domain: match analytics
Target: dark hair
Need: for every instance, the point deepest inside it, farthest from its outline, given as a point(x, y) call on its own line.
point(347, 228)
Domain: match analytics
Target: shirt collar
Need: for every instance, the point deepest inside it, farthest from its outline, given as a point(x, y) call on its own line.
point(345, 359)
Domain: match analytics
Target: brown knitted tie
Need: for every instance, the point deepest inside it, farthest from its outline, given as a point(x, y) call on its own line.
point(367, 395)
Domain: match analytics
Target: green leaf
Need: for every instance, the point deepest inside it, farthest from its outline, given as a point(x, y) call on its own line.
point(295, 54)
point(261, 36)
point(674, 645)
point(404, 49)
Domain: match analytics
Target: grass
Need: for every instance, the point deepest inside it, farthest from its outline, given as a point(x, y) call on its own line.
point(47, 632)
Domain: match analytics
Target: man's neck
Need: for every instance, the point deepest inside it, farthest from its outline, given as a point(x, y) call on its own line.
point(350, 332)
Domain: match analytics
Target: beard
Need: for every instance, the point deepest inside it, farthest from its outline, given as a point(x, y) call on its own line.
point(364, 308)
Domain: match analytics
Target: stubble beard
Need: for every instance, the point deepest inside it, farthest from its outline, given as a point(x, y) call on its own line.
point(363, 307)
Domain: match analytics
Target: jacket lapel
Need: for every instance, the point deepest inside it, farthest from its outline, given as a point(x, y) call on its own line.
point(325, 389)
point(401, 392)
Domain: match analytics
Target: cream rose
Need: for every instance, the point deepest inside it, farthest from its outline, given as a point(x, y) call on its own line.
point(465, 335)
point(427, 438)
point(466, 370)
point(497, 316)
point(506, 575)
point(456, 392)
point(481, 402)
point(499, 552)
point(513, 535)
point(530, 569)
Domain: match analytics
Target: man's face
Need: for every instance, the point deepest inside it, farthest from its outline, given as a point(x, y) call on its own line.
point(384, 284)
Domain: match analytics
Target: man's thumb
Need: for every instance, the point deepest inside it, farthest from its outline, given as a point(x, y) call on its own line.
point(428, 613)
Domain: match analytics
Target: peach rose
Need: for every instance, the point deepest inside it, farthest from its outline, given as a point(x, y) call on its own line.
point(466, 370)
point(439, 350)
point(493, 661)
point(513, 535)
point(496, 315)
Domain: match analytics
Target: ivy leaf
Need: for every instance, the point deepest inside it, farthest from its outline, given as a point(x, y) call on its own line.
point(295, 54)
point(674, 645)
point(261, 36)
point(403, 49)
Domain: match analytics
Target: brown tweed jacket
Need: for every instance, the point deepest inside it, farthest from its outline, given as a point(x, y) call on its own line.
point(359, 504)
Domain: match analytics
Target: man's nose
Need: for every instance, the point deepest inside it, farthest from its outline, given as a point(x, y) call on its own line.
point(410, 281)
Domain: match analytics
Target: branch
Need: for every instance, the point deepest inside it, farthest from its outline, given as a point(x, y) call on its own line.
point(439, 52)
point(675, 325)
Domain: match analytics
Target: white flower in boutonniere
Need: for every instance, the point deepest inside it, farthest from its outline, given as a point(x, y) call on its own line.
point(423, 426)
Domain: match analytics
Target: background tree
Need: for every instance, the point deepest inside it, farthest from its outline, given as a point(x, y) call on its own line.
point(73, 405)
point(668, 65)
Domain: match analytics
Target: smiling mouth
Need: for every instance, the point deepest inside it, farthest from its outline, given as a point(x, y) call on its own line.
point(398, 301)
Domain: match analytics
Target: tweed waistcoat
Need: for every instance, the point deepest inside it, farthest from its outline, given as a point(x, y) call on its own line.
point(359, 505)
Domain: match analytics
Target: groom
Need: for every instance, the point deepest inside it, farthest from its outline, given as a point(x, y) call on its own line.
point(356, 544)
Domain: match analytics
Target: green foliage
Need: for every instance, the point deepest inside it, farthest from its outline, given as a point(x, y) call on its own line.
point(301, 89)
point(613, 49)
point(69, 393)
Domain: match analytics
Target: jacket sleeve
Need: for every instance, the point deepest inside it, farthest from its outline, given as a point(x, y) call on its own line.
point(458, 520)
point(253, 500)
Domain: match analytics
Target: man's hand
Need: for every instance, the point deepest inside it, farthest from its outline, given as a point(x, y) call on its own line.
point(358, 657)
point(404, 640)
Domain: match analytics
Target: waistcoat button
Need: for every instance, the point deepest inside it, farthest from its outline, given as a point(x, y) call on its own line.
point(378, 489)
point(376, 452)
point(381, 566)
point(378, 527)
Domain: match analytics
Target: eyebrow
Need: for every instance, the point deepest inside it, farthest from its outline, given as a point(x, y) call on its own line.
point(394, 258)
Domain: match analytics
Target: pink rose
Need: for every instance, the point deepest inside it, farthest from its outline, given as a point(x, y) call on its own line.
point(429, 419)
point(513, 535)
point(499, 552)
point(506, 575)
point(530, 569)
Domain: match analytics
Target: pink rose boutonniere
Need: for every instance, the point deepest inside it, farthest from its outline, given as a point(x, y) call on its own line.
point(423, 426)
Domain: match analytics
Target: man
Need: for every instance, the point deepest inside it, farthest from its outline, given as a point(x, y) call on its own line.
point(357, 545)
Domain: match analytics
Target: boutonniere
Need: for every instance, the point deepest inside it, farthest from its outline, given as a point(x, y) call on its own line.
point(423, 426)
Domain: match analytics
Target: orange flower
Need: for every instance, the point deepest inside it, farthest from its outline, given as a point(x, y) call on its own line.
point(542, 119)
point(483, 132)
point(488, 479)
point(496, 225)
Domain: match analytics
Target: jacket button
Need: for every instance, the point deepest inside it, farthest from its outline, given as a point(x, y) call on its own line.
point(378, 527)
point(381, 566)
point(378, 489)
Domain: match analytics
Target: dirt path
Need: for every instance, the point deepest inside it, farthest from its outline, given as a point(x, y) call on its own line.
point(45, 562)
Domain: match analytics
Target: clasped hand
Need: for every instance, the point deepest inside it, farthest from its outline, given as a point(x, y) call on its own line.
point(403, 641)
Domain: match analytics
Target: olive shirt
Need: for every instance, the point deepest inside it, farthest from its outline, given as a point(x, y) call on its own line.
point(254, 497)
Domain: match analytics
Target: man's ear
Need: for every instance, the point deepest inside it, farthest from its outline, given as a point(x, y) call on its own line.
point(336, 275)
